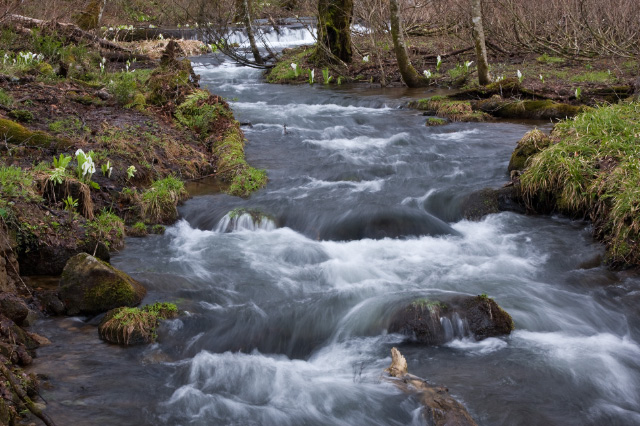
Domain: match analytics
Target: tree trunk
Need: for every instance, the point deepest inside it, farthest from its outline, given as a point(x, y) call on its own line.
point(90, 18)
point(407, 71)
point(478, 38)
point(250, 35)
point(334, 29)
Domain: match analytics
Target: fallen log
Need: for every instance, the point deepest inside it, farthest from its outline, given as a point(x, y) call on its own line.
point(72, 31)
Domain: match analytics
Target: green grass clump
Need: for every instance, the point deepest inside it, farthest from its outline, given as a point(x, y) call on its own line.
point(594, 171)
point(69, 126)
point(233, 168)
point(5, 98)
point(16, 183)
point(546, 59)
point(593, 77)
point(158, 203)
point(130, 326)
point(107, 228)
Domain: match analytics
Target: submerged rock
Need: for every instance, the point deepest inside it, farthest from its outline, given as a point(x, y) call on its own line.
point(133, 326)
point(91, 286)
point(488, 200)
point(436, 322)
point(439, 408)
point(531, 143)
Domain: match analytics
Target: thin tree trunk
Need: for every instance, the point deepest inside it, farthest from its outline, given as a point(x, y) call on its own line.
point(481, 48)
point(252, 38)
point(407, 71)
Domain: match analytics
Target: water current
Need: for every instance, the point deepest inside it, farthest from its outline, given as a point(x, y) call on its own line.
point(287, 315)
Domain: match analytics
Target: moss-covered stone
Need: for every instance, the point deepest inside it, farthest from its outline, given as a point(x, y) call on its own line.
point(531, 143)
point(528, 109)
point(449, 109)
point(135, 326)
point(422, 319)
point(435, 121)
point(16, 134)
point(91, 286)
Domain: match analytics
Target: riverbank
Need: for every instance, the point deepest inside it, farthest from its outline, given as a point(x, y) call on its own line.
point(95, 147)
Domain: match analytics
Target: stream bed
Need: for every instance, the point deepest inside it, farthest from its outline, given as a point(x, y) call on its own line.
point(287, 315)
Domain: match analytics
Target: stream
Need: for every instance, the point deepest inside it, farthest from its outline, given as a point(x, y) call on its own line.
point(287, 316)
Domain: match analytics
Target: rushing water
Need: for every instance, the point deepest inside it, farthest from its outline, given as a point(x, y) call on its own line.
point(287, 315)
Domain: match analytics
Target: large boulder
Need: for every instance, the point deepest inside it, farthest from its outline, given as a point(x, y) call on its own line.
point(91, 286)
point(531, 143)
point(438, 407)
point(435, 322)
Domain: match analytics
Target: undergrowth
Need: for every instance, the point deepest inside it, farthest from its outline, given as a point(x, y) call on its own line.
point(137, 325)
point(594, 171)
point(159, 202)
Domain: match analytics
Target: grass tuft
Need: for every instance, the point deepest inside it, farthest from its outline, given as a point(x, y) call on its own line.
point(594, 171)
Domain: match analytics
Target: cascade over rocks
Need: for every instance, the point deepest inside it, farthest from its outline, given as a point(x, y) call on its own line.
point(90, 286)
point(437, 322)
point(439, 408)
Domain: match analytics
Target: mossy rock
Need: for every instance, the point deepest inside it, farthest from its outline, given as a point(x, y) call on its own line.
point(90, 286)
point(423, 319)
point(17, 134)
point(233, 167)
point(531, 143)
point(135, 326)
point(435, 121)
point(487, 201)
point(452, 110)
point(527, 109)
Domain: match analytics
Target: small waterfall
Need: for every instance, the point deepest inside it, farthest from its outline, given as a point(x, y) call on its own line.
point(454, 327)
point(245, 220)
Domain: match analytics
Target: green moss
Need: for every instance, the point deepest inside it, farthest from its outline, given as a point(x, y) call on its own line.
point(449, 109)
point(593, 77)
point(594, 170)
point(16, 134)
point(113, 291)
point(282, 72)
point(200, 111)
point(530, 144)
point(21, 115)
point(232, 166)
point(539, 109)
point(546, 59)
